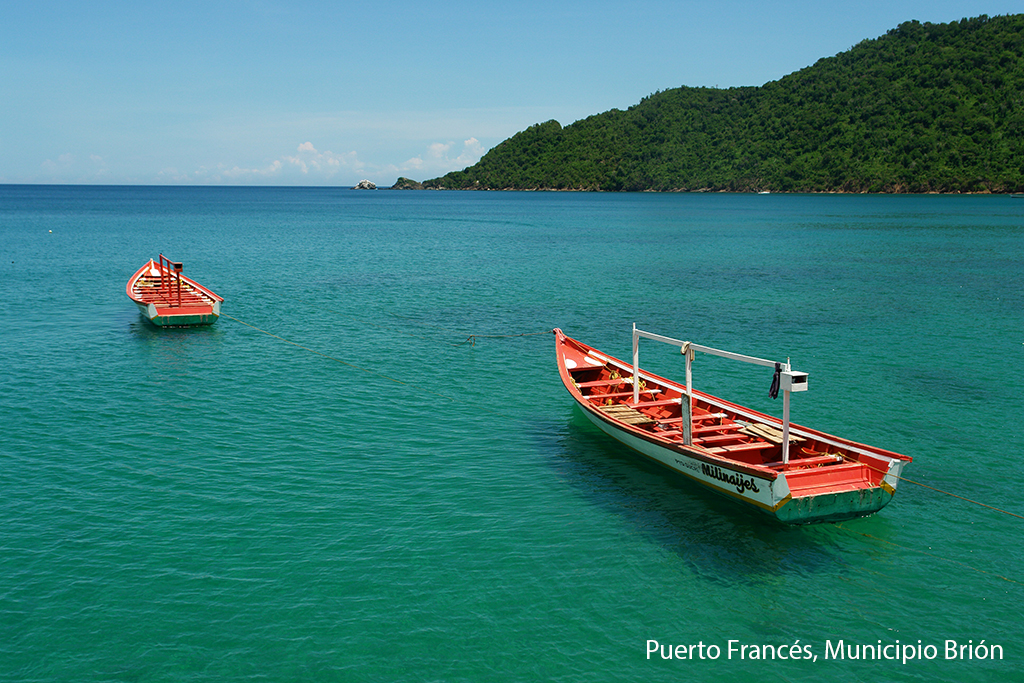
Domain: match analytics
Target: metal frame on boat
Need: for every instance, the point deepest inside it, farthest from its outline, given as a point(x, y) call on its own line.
point(795, 474)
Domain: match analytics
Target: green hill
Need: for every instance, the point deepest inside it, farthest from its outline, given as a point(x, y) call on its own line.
point(924, 108)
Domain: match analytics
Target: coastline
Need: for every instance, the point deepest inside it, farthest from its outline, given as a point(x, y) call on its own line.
point(1010, 193)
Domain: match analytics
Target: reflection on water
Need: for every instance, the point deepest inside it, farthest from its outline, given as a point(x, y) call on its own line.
point(720, 539)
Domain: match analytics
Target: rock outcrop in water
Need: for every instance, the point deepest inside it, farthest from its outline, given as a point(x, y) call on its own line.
point(407, 184)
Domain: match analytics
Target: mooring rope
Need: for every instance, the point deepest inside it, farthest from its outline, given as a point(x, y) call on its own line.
point(382, 375)
point(938, 557)
point(471, 339)
point(932, 488)
point(990, 507)
point(336, 360)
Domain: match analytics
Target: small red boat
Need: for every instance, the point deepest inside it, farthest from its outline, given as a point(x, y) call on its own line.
point(795, 474)
point(169, 299)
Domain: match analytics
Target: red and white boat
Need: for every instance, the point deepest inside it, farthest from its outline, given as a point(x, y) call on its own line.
point(796, 474)
point(169, 299)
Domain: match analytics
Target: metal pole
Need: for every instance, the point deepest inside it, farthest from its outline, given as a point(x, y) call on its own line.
point(785, 427)
point(785, 421)
point(636, 366)
point(688, 408)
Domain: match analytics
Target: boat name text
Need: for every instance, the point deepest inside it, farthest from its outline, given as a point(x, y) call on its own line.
point(739, 481)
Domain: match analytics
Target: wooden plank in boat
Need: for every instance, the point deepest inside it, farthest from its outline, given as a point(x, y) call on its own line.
point(625, 414)
point(767, 433)
point(726, 450)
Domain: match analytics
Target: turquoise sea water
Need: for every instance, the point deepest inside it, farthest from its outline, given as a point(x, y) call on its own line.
point(362, 498)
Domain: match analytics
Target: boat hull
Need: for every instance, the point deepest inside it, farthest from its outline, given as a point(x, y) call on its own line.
point(757, 492)
point(166, 298)
point(173, 318)
point(793, 494)
point(834, 507)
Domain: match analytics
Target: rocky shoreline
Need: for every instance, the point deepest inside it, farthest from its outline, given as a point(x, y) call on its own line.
point(408, 184)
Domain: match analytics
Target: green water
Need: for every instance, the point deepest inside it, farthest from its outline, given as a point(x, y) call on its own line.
point(363, 498)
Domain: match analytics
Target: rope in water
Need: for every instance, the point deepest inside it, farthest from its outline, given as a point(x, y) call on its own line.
point(932, 488)
point(922, 552)
point(336, 360)
point(374, 372)
point(471, 339)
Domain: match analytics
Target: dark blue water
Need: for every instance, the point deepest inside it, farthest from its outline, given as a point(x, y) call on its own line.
point(327, 485)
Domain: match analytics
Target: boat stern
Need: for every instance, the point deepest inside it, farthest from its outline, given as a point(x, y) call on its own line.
point(844, 491)
point(174, 317)
point(834, 507)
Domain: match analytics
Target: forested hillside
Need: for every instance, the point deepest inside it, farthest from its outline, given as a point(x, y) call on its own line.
point(926, 107)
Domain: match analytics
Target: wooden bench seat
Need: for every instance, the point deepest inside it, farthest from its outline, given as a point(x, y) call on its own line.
point(655, 404)
point(804, 462)
point(604, 382)
point(739, 448)
point(704, 429)
point(772, 434)
point(622, 394)
point(728, 426)
point(695, 418)
point(714, 438)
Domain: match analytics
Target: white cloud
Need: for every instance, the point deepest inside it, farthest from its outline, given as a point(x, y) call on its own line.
point(440, 160)
point(326, 164)
point(310, 165)
point(307, 165)
point(439, 150)
point(472, 150)
point(172, 175)
point(69, 168)
point(237, 172)
point(64, 163)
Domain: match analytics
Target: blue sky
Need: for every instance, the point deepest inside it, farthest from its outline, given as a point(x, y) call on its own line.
point(268, 92)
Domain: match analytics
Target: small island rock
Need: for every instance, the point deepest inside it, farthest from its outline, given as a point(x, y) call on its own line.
point(404, 183)
point(365, 185)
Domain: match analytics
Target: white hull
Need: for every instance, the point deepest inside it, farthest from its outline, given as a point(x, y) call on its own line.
point(761, 492)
